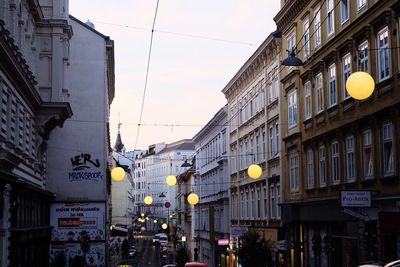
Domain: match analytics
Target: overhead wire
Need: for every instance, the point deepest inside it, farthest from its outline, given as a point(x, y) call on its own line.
point(147, 75)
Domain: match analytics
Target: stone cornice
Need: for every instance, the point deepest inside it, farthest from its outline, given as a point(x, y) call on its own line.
point(265, 55)
point(289, 12)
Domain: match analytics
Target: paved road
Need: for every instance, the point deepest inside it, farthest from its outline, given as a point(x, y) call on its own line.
point(147, 254)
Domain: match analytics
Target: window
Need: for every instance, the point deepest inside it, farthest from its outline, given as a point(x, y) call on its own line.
point(317, 28)
point(258, 203)
point(346, 73)
point(272, 209)
point(278, 200)
point(368, 163)
point(271, 142)
point(277, 140)
point(363, 57)
point(388, 157)
point(344, 10)
point(350, 160)
point(263, 144)
point(291, 41)
point(310, 168)
point(294, 172)
point(330, 17)
point(257, 148)
point(319, 93)
point(332, 85)
point(307, 100)
point(322, 166)
point(306, 38)
point(292, 109)
point(383, 54)
point(265, 202)
point(335, 165)
point(361, 3)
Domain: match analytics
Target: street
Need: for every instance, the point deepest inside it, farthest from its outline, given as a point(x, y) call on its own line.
point(147, 254)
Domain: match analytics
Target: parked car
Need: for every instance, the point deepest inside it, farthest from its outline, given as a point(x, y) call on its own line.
point(395, 263)
point(132, 252)
point(169, 265)
point(196, 264)
point(163, 240)
point(156, 239)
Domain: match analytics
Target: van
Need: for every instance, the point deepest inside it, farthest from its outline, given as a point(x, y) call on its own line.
point(196, 264)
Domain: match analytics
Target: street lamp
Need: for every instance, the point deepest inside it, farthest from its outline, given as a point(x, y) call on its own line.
point(360, 85)
point(118, 174)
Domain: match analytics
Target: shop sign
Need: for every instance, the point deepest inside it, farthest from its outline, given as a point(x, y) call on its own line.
point(69, 220)
point(237, 231)
point(355, 199)
point(223, 242)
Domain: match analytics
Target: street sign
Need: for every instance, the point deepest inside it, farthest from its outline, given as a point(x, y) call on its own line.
point(282, 245)
point(167, 204)
point(356, 214)
point(237, 231)
point(355, 199)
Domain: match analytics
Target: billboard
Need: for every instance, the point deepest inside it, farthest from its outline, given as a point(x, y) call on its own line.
point(69, 220)
point(70, 254)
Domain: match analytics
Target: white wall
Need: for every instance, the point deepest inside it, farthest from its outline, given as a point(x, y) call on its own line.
point(85, 133)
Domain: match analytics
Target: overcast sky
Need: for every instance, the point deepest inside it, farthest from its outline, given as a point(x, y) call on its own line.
point(198, 47)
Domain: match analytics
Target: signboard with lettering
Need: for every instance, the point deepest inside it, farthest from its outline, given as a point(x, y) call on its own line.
point(69, 220)
point(238, 231)
point(223, 242)
point(353, 199)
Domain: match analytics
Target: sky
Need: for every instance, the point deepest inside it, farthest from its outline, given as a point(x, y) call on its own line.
point(198, 46)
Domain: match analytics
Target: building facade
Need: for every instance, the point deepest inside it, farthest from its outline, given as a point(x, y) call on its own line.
point(254, 138)
point(152, 169)
point(79, 172)
point(211, 215)
point(34, 41)
point(336, 147)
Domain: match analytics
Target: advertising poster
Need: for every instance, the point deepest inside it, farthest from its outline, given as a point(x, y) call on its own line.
point(78, 234)
point(70, 220)
point(70, 255)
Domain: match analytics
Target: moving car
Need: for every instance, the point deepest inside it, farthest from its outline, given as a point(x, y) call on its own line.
point(163, 240)
point(132, 252)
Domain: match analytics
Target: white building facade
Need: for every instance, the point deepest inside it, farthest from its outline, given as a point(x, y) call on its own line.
point(79, 167)
point(211, 182)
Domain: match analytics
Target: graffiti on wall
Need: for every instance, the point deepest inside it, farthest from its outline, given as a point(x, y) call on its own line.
point(85, 168)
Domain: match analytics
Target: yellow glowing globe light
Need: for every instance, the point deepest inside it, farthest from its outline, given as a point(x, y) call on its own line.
point(155, 221)
point(171, 180)
point(142, 214)
point(254, 171)
point(164, 226)
point(118, 174)
point(193, 198)
point(360, 85)
point(148, 200)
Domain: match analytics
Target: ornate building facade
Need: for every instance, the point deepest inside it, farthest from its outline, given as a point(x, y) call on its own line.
point(336, 147)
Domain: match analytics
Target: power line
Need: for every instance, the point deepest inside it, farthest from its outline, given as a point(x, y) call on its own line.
point(147, 74)
point(190, 35)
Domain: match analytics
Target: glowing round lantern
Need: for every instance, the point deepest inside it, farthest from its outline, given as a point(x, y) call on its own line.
point(360, 85)
point(193, 198)
point(148, 200)
point(164, 226)
point(118, 174)
point(171, 180)
point(254, 171)
point(155, 221)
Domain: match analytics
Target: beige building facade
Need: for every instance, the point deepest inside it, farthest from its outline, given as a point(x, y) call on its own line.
point(334, 146)
point(254, 138)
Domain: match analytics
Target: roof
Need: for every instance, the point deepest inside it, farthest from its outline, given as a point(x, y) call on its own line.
point(184, 144)
point(88, 27)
